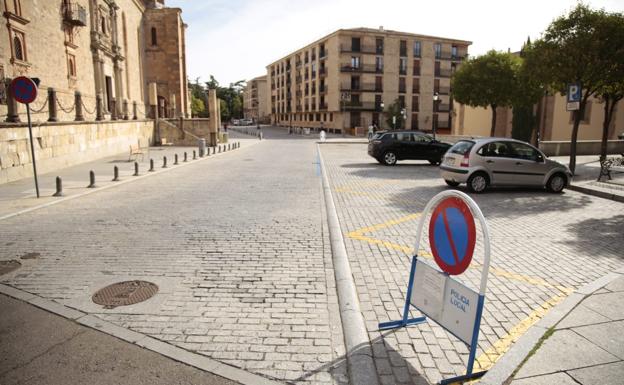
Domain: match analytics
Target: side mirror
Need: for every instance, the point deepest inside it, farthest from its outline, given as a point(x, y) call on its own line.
point(539, 159)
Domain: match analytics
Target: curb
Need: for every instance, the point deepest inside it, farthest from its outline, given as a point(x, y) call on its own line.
point(139, 339)
point(597, 193)
point(120, 183)
point(504, 368)
point(359, 351)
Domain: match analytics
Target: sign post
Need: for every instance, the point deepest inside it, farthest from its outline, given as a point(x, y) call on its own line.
point(24, 90)
point(448, 302)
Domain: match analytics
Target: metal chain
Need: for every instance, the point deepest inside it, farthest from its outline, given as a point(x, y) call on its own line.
point(67, 111)
point(38, 110)
point(86, 109)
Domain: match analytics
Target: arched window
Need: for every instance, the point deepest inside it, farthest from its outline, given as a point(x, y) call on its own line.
point(154, 38)
point(18, 48)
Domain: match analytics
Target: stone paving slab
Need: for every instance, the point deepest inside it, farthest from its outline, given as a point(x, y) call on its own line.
point(609, 336)
point(564, 350)
point(549, 379)
point(544, 246)
point(609, 374)
point(243, 239)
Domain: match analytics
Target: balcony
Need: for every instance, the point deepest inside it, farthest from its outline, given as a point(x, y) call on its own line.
point(450, 56)
point(416, 71)
point(298, 64)
point(298, 93)
point(364, 68)
point(369, 49)
point(323, 90)
point(361, 106)
point(402, 89)
point(443, 73)
point(402, 71)
point(362, 87)
point(442, 90)
point(322, 55)
point(75, 14)
point(416, 89)
point(442, 108)
point(298, 79)
point(444, 125)
point(313, 75)
point(323, 107)
point(322, 71)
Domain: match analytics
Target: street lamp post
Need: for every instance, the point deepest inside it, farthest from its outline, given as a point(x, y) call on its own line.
point(436, 99)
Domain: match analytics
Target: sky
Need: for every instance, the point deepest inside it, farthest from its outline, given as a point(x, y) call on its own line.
point(236, 39)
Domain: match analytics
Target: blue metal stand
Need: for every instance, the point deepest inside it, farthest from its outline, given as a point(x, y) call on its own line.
point(405, 321)
point(473, 349)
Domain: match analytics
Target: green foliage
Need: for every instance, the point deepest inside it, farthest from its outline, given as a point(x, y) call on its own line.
point(486, 80)
point(197, 106)
point(231, 98)
point(584, 46)
point(395, 110)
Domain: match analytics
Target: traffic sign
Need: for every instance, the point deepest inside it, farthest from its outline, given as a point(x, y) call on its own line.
point(23, 89)
point(452, 235)
point(573, 99)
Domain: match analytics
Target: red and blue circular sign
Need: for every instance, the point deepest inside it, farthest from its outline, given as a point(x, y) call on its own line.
point(23, 89)
point(452, 235)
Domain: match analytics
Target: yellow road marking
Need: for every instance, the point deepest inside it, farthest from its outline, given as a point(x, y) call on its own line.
point(486, 360)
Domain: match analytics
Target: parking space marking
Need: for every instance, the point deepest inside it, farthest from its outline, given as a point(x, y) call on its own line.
point(359, 235)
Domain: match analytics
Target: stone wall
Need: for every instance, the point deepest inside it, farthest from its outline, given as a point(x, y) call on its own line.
point(583, 147)
point(191, 131)
point(61, 145)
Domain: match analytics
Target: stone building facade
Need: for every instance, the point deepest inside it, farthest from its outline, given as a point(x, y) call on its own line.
point(255, 100)
point(97, 47)
point(349, 78)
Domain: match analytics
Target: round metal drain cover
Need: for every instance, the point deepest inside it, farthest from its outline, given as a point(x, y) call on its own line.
point(124, 293)
point(9, 266)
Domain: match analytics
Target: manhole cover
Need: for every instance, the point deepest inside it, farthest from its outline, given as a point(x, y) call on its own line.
point(124, 293)
point(9, 266)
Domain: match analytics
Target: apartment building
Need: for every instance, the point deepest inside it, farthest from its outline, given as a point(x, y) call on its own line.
point(255, 97)
point(350, 77)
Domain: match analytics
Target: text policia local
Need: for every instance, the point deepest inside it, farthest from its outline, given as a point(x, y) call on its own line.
point(459, 300)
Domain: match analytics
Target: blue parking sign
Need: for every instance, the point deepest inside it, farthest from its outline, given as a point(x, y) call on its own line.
point(574, 92)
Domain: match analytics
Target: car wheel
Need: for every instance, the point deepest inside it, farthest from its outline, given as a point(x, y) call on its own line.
point(389, 158)
point(556, 183)
point(451, 183)
point(478, 182)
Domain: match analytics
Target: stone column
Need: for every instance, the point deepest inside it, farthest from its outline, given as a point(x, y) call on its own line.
point(213, 110)
point(12, 107)
point(78, 104)
point(113, 109)
point(125, 109)
point(52, 113)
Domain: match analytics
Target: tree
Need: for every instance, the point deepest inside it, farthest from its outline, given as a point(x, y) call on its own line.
point(231, 98)
point(612, 91)
point(527, 91)
point(573, 50)
point(198, 95)
point(487, 81)
point(395, 110)
point(197, 106)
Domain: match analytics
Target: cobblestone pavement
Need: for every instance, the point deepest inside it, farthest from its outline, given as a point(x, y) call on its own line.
point(237, 244)
point(543, 247)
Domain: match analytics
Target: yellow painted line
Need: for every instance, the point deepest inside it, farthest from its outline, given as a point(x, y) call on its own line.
point(486, 360)
point(359, 235)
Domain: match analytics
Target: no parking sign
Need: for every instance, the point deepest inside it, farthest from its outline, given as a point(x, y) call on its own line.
point(436, 294)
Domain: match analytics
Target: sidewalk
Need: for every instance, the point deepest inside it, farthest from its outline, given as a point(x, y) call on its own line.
point(21, 195)
point(586, 175)
point(39, 347)
point(585, 347)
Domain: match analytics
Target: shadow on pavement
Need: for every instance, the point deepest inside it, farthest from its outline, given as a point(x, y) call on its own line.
point(390, 366)
point(605, 234)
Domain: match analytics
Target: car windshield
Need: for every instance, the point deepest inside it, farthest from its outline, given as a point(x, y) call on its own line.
point(462, 147)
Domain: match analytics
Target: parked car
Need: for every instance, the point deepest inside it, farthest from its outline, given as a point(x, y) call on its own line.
point(247, 122)
point(501, 162)
point(236, 122)
point(390, 146)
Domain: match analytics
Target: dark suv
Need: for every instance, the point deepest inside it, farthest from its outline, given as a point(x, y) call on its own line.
point(389, 146)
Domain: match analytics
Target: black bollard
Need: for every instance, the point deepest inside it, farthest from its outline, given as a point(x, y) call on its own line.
point(164, 162)
point(59, 187)
point(207, 151)
point(185, 156)
point(175, 159)
point(228, 147)
point(115, 174)
point(219, 148)
point(151, 165)
point(91, 180)
point(194, 154)
point(136, 169)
